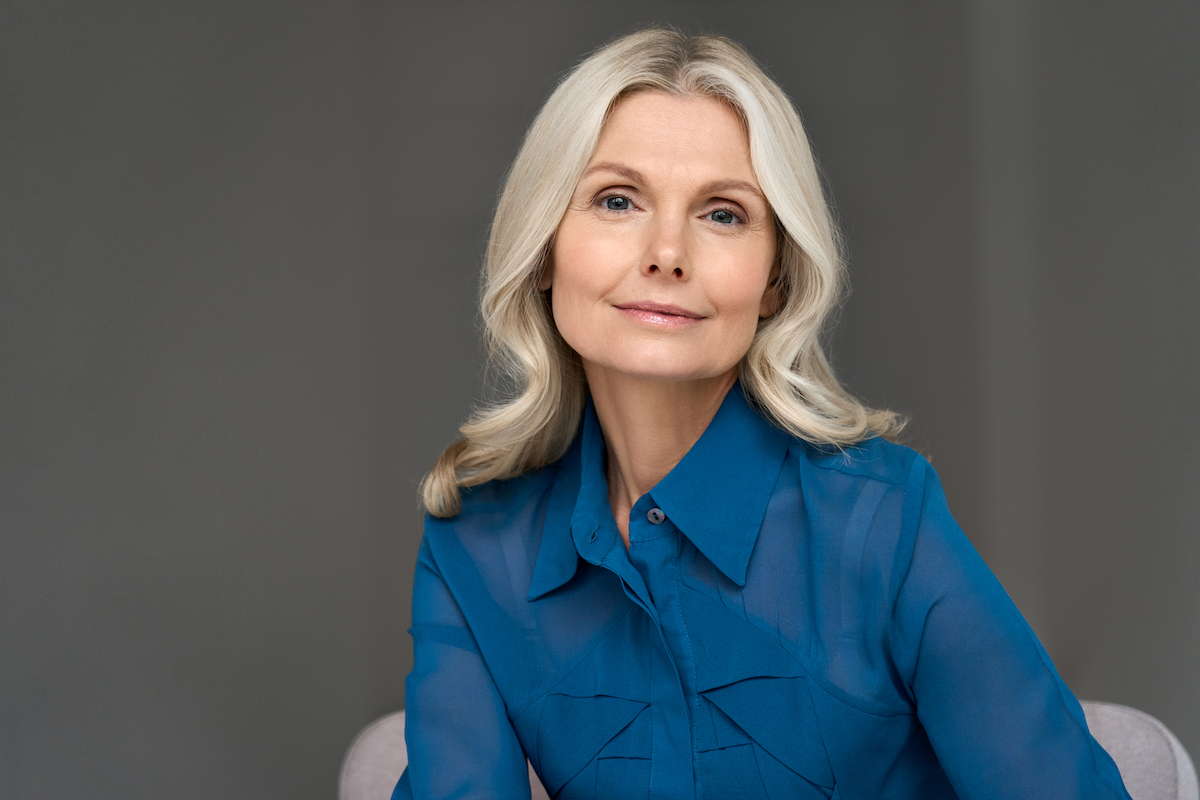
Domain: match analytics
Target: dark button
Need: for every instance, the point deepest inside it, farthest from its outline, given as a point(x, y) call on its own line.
point(656, 516)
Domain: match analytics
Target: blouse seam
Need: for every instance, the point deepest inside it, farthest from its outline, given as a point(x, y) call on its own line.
point(687, 636)
point(911, 493)
point(860, 472)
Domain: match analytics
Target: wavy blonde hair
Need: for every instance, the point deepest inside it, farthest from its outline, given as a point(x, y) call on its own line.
point(785, 373)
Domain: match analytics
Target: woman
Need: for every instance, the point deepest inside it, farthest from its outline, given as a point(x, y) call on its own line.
point(688, 564)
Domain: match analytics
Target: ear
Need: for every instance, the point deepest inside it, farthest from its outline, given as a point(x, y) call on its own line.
point(546, 279)
point(772, 299)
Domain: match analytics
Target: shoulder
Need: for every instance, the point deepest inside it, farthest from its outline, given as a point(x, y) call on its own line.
point(848, 518)
point(493, 511)
point(866, 506)
point(888, 515)
point(914, 494)
point(874, 459)
point(504, 496)
point(873, 493)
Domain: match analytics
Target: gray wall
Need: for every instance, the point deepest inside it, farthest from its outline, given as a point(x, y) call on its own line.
point(238, 256)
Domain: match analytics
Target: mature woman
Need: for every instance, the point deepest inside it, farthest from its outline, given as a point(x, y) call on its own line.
point(681, 561)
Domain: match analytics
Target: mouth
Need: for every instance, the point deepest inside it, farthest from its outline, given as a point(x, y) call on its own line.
point(659, 313)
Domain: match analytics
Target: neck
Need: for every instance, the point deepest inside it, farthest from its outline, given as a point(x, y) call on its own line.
point(648, 428)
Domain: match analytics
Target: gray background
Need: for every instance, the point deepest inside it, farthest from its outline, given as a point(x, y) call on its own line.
point(238, 255)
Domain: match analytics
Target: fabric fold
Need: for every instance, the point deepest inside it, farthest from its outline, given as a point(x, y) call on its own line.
point(728, 648)
point(778, 715)
point(572, 724)
point(572, 731)
point(759, 685)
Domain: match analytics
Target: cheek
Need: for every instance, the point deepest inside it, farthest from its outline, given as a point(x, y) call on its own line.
point(582, 269)
point(742, 295)
point(571, 291)
point(575, 318)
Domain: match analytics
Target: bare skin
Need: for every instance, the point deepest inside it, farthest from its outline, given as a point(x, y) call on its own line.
point(662, 267)
point(648, 429)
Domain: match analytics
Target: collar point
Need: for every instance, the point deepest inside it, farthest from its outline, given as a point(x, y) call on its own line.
point(540, 588)
point(551, 575)
point(734, 569)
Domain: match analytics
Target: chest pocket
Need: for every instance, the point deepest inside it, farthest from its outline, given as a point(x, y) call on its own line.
point(759, 736)
point(593, 727)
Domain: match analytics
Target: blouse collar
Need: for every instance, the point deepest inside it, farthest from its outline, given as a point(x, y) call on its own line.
point(717, 495)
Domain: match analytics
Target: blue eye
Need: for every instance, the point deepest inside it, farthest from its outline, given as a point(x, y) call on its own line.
point(616, 203)
point(723, 216)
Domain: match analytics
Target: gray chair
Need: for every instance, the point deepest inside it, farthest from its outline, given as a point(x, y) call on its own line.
point(1152, 761)
point(376, 758)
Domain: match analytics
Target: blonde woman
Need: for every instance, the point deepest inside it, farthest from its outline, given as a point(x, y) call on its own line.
point(681, 561)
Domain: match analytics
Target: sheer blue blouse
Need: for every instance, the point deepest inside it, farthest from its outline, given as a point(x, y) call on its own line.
point(787, 622)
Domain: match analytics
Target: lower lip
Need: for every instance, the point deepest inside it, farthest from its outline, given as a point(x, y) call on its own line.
point(658, 317)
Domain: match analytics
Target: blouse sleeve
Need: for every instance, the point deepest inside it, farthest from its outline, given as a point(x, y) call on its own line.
point(999, 717)
point(460, 741)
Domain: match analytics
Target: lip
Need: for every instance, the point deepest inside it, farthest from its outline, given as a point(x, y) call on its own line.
point(659, 313)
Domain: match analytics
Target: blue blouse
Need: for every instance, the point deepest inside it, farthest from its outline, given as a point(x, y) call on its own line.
point(787, 622)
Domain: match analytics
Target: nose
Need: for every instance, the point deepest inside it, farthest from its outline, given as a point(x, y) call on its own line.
point(667, 248)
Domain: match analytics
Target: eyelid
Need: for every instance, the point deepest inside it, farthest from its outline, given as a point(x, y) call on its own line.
point(624, 191)
point(714, 204)
point(615, 191)
point(736, 209)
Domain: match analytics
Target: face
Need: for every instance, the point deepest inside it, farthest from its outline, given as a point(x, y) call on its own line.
point(663, 264)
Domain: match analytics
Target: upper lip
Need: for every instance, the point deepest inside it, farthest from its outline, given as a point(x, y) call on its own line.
point(661, 308)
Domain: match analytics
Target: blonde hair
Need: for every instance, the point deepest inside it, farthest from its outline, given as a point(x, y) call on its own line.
point(785, 373)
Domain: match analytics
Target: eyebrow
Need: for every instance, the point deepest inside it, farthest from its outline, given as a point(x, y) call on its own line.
point(633, 176)
point(628, 173)
point(733, 183)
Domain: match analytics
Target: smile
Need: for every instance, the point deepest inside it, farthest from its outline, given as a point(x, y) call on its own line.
point(659, 313)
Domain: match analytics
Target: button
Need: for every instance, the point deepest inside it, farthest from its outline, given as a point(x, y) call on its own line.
point(656, 516)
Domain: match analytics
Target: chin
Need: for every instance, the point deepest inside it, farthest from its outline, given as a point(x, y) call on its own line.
point(654, 370)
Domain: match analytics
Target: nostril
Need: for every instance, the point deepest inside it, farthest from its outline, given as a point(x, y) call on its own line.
point(678, 272)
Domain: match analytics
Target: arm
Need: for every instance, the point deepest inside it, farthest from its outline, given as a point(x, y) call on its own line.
point(999, 717)
point(460, 741)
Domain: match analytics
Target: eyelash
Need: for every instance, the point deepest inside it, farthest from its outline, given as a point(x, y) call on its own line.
point(738, 218)
point(604, 198)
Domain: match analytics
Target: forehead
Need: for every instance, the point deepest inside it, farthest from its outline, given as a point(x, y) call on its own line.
point(653, 128)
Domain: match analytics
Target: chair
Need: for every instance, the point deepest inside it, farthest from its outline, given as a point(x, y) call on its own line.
point(376, 758)
point(1153, 763)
